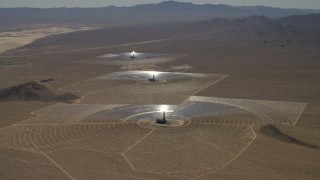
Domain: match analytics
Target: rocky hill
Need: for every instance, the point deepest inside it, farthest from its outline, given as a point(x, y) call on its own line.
point(32, 91)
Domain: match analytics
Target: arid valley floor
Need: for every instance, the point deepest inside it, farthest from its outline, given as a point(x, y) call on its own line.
point(237, 109)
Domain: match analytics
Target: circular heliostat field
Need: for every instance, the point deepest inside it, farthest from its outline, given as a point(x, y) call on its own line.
point(138, 87)
point(140, 58)
point(200, 136)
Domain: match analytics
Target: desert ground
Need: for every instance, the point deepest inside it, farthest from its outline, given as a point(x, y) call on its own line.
point(236, 109)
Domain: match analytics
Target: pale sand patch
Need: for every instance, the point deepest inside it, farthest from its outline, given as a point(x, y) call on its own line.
point(14, 39)
point(182, 67)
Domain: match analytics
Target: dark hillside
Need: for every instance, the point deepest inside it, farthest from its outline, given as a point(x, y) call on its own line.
point(32, 91)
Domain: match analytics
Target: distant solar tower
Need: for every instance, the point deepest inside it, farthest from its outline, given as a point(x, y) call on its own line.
point(133, 55)
point(163, 120)
point(153, 78)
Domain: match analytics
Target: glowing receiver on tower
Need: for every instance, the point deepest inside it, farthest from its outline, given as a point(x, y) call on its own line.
point(133, 55)
point(163, 109)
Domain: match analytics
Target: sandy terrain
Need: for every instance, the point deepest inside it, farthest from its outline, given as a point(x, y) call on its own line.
point(221, 136)
point(13, 39)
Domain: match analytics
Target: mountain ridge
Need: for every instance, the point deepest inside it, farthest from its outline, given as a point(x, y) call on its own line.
point(167, 11)
point(286, 31)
